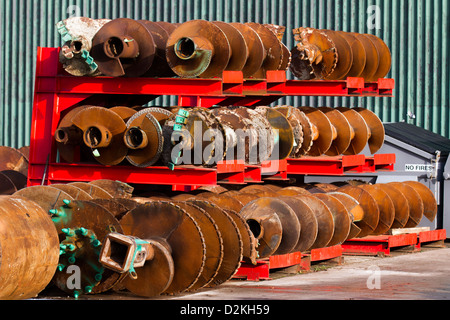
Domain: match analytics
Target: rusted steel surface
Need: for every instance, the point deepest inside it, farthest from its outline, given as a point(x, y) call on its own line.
point(29, 248)
point(13, 159)
point(336, 55)
point(204, 137)
point(167, 243)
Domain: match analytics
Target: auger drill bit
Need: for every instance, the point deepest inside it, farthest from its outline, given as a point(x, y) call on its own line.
point(249, 242)
point(48, 197)
point(238, 46)
point(358, 52)
point(240, 133)
point(7, 187)
point(265, 225)
point(248, 134)
point(170, 224)
point(160, 34)
point(273, 49)
point(283, 136)
point(144, 136)
point(193, 136)
point(103, 132)
point(93, 190)
point(222, 200)
point(285, 54)
point(341, 218)
point(344, 56)
point(117, 189)
point(307, 220)
point(314, 56)
point(385, 207)
point(336, 55)
point(232, 205)
point(384, 57)
point(82, 226)
point(12, 180)
point(75, 192)
point(123, 47)
point(143, 259)
point(321, 133)
point(428, 199)
point(242, 197)
point(325, 221)
point(401, 205)
point(342, 131)
point(371, 216)
point(294, 116)
point(354, 209)
point(256, 51)
point(69, 138)
point(415, 203)
point(77, 34)
point(214, 243)
point(360, 131)
point(198, 48)
point(292, 191)
point(376, 129)
point(232, 241)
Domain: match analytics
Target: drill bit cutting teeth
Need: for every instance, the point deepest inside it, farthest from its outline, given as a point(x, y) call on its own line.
point(295, 118)
point(335, 55)
point(283, 135)
point(77, 34)
point(314, 56)
point(144, 136)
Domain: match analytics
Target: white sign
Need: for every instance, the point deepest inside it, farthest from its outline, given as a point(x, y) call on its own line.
point(419, 168)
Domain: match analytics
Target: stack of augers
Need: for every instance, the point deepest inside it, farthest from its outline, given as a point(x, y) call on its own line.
point(172, 243)
point(336, 55)
point(200, 48)
point(196, 48)
point(169, 136)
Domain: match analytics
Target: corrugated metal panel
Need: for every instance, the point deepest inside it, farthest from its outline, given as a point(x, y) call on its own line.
point(415, 30)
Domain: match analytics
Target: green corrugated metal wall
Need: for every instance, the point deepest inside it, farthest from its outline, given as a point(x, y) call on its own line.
point(417, 32)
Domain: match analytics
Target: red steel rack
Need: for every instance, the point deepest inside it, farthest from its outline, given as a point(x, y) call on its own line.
point(302, 262)
point(56, 91)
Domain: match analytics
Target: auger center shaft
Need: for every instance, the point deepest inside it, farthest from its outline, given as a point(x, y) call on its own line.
point(185, 48)
point(136, 138)
point(97, 137)
point(124, 47)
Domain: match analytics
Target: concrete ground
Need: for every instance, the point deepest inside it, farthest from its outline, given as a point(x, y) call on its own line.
point(421, 275)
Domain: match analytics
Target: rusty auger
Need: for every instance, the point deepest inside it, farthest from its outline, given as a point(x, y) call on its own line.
point(168, 244)
point(336, 55)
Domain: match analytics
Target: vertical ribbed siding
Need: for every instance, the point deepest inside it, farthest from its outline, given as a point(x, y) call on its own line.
point(416, 31)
